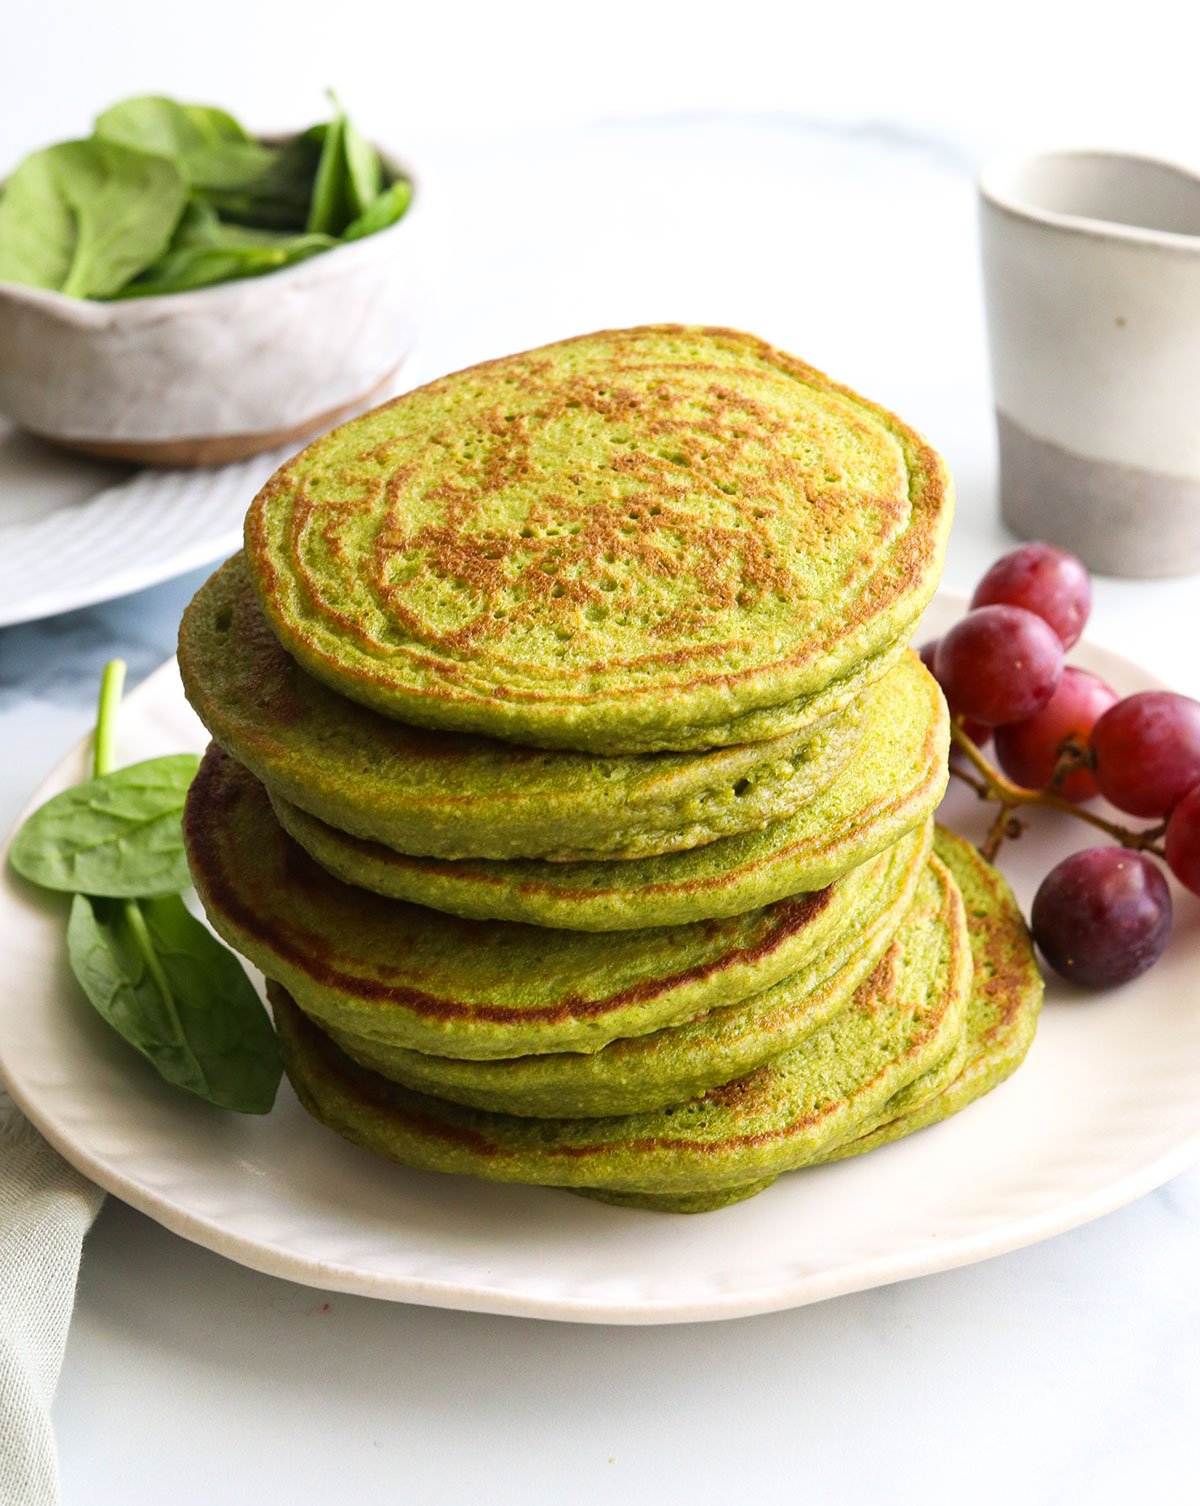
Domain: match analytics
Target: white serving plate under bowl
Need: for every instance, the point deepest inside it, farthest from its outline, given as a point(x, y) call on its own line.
point(74, 531)
point(1106, 1107)
point(219, 373)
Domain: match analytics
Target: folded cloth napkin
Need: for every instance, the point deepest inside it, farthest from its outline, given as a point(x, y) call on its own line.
point(46, 1207)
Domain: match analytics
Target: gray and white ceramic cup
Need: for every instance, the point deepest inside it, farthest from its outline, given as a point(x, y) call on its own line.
point(1091, 264)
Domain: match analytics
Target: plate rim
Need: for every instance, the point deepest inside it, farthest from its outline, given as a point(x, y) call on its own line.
point(123, 582)
point(274, 1259)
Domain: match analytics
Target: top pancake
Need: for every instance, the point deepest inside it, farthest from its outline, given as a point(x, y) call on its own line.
point(639, 540)
point(446, 795)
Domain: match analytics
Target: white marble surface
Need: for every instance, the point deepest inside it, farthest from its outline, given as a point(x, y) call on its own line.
point(1063, 1373)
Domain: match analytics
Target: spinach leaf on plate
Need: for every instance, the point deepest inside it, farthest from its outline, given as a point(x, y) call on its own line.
point(116, 835)
point(85, 217)
point(170, 989)
point(158, 976)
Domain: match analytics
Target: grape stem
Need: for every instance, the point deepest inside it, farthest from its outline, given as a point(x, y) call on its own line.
point(990, 784)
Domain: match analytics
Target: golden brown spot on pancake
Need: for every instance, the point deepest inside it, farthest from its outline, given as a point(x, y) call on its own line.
point(1003, 976)
point(720, 453)
point(881, 985)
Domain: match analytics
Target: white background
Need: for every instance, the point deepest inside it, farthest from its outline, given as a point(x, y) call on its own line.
point(835, 216)
point(992, 71)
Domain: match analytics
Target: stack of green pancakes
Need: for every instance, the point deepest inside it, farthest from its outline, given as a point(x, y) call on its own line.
point(572, 782)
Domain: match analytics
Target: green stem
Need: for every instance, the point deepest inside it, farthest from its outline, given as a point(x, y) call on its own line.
point(145, 944)
point(992, 785)
point(112, 685)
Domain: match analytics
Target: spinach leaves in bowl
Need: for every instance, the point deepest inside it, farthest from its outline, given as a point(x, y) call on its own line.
point(164, 197)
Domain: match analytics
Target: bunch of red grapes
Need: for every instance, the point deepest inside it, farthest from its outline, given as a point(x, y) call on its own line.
point(1102, 916)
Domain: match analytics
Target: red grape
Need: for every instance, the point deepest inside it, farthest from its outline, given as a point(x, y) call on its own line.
point(1102, 916)
point(1147, 750)
point(1183, 841)
point(1028, 750)
point(1042, 579)
point(976, 731)
point(999, 664)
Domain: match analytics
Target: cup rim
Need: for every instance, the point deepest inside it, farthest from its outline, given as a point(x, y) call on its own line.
point(995, 177)
point(342, 258)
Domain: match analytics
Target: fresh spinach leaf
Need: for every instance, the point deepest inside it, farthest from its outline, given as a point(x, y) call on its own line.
point(216, 124)
point(170, 989)
point(327, 210)
point(201, 226)
point(117, 835)
point(85, 217)
point(363, 170)
point(349, 176)
point(152, 123)
point(384, 210)
point(296, 247)
point(198, 223)
point(200, 266)
point(37, 225)
point(225, 164)
point(209, 148)
point(278, 199)
point(206, 249)
point(160, 978)
point(169, 196)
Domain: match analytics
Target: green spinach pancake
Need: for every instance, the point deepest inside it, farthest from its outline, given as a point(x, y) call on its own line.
point(1006, 999)
point(640, 540)
point(447, 795)
point(891, 783)
point(906, 1017)
point(1000, 1023)
point(404, 975)
point(678, 1062)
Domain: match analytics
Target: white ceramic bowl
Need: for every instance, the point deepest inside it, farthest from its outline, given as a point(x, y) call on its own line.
point(219, 373)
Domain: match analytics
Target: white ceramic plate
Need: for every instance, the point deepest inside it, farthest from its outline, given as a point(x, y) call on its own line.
point(74, 531)
point(1106, 1107)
